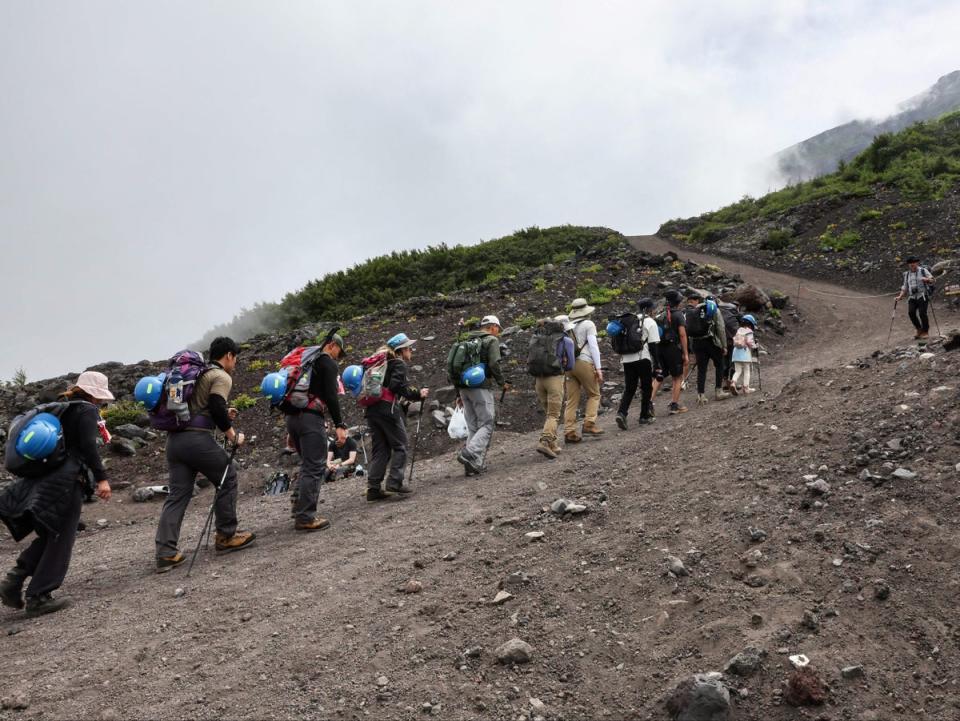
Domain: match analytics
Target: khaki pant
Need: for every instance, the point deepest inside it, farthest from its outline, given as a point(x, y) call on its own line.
point(550, 393)
point(582, 376)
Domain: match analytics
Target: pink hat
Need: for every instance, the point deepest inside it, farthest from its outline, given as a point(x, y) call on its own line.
point(95, 384)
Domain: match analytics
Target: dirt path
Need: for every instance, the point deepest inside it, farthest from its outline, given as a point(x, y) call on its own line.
point(317, 626)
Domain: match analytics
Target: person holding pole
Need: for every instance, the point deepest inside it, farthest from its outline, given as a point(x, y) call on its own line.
point(917, 288)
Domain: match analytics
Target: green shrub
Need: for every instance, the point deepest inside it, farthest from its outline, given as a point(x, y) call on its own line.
point(121, 412)
point(899, 225)
point(257, 365)
point(540, 285)
point(866, 215)
point(777, 239)
point(525, 321)
point(708, 233)
point(597, 294)
point(595, 268)
point(257, 390)
point(19, 378)
point(242, 402)
point(846, 240)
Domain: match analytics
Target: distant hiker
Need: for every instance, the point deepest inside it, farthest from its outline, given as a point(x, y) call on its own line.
point(637, 343)
point(194, 450)
point(551, 354)
point(917, 286)
point(586, 376)
point(731, 324)
point(48, 502)
point(383, 387)
point(473, 366)
point(674, 354)
point(706, 331)
point(744, 344)
point(313, 385)
point(341, 458)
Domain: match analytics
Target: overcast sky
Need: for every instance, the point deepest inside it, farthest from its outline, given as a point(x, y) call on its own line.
point(163, 164)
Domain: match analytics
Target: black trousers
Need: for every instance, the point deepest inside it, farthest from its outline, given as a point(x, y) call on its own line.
point(48, 557)
point(389, 433)
point(917, 310)
point(706, 350)
point(637, 373)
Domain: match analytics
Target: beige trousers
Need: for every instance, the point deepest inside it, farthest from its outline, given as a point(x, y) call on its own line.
point(550, 393)
point(581, 377)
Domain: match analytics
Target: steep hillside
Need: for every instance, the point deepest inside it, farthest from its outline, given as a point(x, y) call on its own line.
point(822, 153)
point(900, 196)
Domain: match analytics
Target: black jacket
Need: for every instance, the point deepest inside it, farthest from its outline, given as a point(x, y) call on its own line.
point(396, 382)
point(43, 503)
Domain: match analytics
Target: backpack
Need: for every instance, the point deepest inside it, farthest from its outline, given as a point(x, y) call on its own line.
point(698, 321)
point(668, 334)
point(632, 337)
point(740, 340)
point(298, 364)
point(172, 412)
point(22, 465)
point(731, 320)
point(546, 356)
point(567, 353)
point(464, 355)
point(372, 388)
point(277, 484)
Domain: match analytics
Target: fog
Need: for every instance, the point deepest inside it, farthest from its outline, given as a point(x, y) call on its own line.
point(163, 165)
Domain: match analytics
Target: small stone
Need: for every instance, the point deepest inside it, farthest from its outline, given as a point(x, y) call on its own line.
point(514, 651)
point(450, 556)
point(179, 593)
point(559, 506)
point(246, 617)
point(413, 586)
point(537, 705)
point(676, 567)
point(810, 621)
point(576, 508)
point(501, 598)
point(534, 536)
point(756, 619)
point(102, 523)
point(881, 591)
point(142, 495)
point(382, 681)
point(123, 446)
point(818, 487)
point(746, 662)
point(904, 474)
point(852, 672)
point(517, 579)
point(757, 534)
point(699, 698)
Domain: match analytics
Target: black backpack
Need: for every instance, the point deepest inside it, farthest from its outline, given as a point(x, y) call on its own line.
point(632, 338)
point(731, 320)
point(697, 322)
point(668, 334)
point(24, 467)
point(542, 358)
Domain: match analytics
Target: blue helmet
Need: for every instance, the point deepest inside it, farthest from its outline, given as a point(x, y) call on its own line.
point(39, 437)
point(749, 319)
point(473, 376)
point(274, 387)
point(352, 377)
point(614, 327)
point(400, 340)
point(711, 307)
point(148, 390)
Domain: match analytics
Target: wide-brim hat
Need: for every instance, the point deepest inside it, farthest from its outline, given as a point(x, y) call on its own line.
point(580, 308)
point(95, 385)
point(565, 319)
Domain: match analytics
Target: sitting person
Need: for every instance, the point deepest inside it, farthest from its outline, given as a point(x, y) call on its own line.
point(341, 458)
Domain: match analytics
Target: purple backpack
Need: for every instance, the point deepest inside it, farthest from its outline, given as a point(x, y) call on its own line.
point(173, 411)
point(567, 353)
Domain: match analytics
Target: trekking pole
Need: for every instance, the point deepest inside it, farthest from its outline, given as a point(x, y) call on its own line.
point(893, 315)
point(416, 442)
point(935, 322)
point(759, 377)
point(205, 531)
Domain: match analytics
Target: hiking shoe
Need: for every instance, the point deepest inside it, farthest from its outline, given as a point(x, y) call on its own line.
point(720, 395)
point(571, 437)
point(554, 446)
point(376, 494)
point(676, 408)
point(701, 400)
point(748, 390)
point(401, 489)
point(646, 420)
point(45, 603)
point(653, 410)
point(170, 562)
point(11, 590)
point(621, 422)
point(734, 391)
point(592, 429)
point(236, 542)
point(317, 524)
point(469, 463)
point(544, 449)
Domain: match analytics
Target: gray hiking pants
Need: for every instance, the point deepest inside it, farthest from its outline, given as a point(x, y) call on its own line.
point(190, 453)
point(480, 413)
point(310, 439)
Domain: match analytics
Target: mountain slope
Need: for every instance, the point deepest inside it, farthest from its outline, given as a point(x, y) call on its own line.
point(822, 153)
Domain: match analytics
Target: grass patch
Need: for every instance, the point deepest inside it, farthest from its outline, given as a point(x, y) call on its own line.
point(597, 294)
point(777, 239)
point(540, 285)
point(243, 402)
point(837, 243)
point(866, 215)
point(595, 268)
point(258, 365)
point(122, 412)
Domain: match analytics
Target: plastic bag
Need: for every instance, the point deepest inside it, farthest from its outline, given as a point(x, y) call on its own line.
point(458, 426)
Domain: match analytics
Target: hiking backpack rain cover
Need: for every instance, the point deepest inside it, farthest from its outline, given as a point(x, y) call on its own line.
point(298, 364)
point(547, 348)
point(463, 356)
point(372, 388)
point(632, 339)
point(172, 413)
point(24, 466)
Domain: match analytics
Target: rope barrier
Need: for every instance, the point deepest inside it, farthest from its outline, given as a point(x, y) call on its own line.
point(846, 297)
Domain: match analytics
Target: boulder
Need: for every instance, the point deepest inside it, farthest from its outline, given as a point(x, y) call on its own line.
point(123, 446)
point(439, 419)
point(702, 697)
point(445, 395)
point(514, 651)
point(130, 430)
point(751, 298)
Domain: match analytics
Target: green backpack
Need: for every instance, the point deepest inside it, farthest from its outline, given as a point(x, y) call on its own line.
point(463, 355)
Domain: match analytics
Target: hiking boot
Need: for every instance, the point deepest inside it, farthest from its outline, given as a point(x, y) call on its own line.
point(170, 562)
point(376, 494)
point(701, 400)
point(571, 437)
point(45, 603)
point(748, 390)
point(469, 462)
point(720, 395)
point(544, 449)
point(11, 588)
point(676, 408)
point(621, 422)
point(238, 541)
point(554, 446)
point(734, 391)
point(401, 489)
point(645, 420)
point(317, 524)
point(923, 334)
point(592, 429)
point(653, 410)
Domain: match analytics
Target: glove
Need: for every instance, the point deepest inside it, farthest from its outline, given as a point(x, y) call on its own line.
point(658, 375)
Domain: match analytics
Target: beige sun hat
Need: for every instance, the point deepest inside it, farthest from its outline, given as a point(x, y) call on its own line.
point(580, 309)
point(565, 319)
point(95, 384)
point(489, 320)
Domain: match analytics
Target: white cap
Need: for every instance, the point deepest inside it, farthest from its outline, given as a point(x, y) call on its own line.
point(490, 320)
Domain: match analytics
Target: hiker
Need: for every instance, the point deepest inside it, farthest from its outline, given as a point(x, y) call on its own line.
point(341, 458)
point(731, 324)
point(705, 329)
point(917, 286)
point(586, 376)
point(744, 344)
point(312, 394)
point(385, 417)
point(639, 366)
point(50, 504)
point(674, 349)
point(194, 450)
point(552, 352)
point(473, 366)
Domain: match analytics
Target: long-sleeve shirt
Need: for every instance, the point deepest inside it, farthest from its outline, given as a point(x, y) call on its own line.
point(585, 332)
point(397, 383)
point(913, 285)
point(325, 386)
point(80, 435)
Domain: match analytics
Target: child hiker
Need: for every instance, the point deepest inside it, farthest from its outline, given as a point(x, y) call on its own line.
point(743, 346)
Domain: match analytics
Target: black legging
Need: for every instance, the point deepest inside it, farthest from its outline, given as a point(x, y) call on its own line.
point(638, 372)
point(706, 350)
point(918, 314)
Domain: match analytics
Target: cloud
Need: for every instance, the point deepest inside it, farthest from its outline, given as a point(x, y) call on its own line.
point(165, 164)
